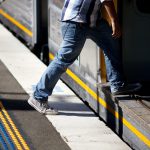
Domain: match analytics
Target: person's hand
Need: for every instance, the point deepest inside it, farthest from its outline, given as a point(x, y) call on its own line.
point(116, 30)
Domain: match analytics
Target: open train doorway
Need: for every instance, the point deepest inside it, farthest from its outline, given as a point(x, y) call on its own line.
point(135, 39)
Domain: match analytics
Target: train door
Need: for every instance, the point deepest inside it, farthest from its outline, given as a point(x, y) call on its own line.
point(136, 39)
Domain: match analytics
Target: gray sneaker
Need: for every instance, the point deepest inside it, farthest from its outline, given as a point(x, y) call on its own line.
point(42, 107)
point(127, 89)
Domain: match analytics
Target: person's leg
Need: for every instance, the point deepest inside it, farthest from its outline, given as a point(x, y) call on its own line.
point(103, 38)
point(102, 35)
point(72, 44)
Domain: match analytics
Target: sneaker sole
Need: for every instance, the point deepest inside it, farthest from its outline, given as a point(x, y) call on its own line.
point(127, 92)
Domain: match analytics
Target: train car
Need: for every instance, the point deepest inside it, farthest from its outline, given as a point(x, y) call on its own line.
point(28, 20)
point(87, 76)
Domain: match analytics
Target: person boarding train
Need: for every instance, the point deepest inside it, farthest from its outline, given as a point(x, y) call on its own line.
point(81, 19)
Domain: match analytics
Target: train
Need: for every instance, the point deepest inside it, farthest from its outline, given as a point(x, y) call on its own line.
point(37, 23)
point(28, 21)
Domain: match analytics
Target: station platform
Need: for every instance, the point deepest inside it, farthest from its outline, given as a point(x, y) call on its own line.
point(22, 128)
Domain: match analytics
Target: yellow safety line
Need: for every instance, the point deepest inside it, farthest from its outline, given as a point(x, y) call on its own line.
point(19, 25)
point(105, 105)
point(14, 128)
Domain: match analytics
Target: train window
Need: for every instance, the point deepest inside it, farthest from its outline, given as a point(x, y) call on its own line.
point(143, 6)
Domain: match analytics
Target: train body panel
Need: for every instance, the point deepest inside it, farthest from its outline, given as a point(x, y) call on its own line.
point(27, 19)
point(22, 12)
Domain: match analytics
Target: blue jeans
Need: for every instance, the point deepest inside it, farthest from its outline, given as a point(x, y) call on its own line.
point(74, 37)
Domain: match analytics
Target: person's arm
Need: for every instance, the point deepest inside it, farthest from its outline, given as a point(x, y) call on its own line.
point(110, 9)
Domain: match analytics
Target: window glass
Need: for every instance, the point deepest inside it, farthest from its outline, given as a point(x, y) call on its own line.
point(143, 6)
